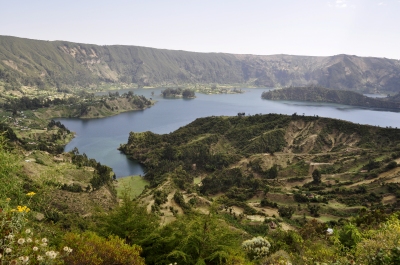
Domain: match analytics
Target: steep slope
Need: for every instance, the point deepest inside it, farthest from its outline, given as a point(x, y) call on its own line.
point(60, 63)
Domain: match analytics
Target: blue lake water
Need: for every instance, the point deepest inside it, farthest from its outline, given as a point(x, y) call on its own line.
point(100, 138)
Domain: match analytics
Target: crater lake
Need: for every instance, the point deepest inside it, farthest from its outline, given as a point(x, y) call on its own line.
point(100, 138)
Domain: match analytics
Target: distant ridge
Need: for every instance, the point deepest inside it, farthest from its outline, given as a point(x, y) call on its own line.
point(61, 63)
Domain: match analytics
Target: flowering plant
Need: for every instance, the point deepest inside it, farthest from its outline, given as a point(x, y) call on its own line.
point(18, 244)
point(257, 247)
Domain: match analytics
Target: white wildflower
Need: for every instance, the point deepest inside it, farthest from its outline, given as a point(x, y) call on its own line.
point(35, 248)
point(8, 250)
point(24, 259)
point(39, 257)
point(29, 240)
point(67, 249)
point(51, 254)
point(21, 241)
point(44, 240)
point(28, 231)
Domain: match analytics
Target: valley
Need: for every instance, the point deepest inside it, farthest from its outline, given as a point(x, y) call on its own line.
point(162, 175)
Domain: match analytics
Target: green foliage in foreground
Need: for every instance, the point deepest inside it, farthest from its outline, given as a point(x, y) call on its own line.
point(194, 239)
point(372, 237)
point(91, 249)
point(130, 221)
point(10, 186)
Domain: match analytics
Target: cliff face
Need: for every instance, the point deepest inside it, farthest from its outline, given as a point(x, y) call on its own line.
point(59, 63)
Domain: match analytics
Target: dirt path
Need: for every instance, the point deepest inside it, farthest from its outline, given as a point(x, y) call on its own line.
point(394, 173)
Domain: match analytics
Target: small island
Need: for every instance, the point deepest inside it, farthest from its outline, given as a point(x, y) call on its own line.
point(320, 94)
point(219, 90)
point(178, 93)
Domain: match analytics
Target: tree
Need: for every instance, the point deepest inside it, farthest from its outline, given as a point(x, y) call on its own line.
point(286, 211)
point(194, 239)
point(187, 93)
point(316, 175)
point(130, 221)
point(273, 172)
point(314, 209)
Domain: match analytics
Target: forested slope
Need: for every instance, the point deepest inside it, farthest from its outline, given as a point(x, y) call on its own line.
point(214, 144)
point(319, 94)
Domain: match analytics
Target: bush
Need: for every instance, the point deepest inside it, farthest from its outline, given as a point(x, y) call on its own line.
point(72, 188)
point(257, 247)
point(90, 249)
point(391, 165)
point(298, 197)
point(286, 211)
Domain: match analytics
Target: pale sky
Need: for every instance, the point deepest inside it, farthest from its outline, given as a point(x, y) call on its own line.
point(301, 27)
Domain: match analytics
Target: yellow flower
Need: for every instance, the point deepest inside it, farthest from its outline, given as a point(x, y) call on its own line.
point(30, 194)
point(23, 209)
point(8, 199)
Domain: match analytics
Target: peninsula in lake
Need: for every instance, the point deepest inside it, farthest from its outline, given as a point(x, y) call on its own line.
point(320, 94)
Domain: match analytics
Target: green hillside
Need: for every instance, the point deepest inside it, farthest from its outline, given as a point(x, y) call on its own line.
point(60, 64)
point(260, 189)
point(319, 94)
point(239, 156)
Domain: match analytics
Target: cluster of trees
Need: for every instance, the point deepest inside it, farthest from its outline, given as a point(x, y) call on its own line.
point(320, 94)
point(102, 174)
point(178, 92)
point(58, 124)
point(26, 103)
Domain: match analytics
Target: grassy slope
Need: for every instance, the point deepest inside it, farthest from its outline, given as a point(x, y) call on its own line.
point(340, 150)
point(131, 186)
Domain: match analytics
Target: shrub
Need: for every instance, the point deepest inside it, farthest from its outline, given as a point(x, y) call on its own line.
point(257, 247)
point(316, 175)
point(298, 197)
point(18, 244)
point(90, 248)
point(381, 245)
point(286, 211)
point(391, 165)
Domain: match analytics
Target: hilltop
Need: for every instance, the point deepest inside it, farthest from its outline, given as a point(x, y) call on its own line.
point(320, 94)
point(61, 64)
point(239, 157)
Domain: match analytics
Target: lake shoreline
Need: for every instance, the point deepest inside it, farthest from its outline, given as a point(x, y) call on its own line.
point(100, 138)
